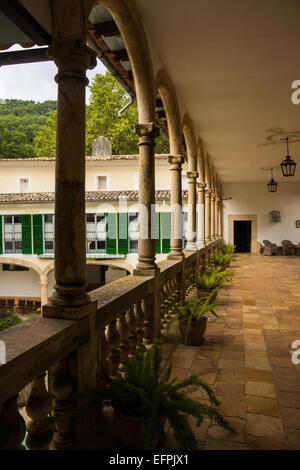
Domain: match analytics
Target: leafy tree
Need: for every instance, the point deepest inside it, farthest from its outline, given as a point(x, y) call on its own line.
point(19, 122)
point(107, 98)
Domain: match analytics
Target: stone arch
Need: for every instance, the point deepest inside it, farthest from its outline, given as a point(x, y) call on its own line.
point(127, 18)
point(166, 90)
point(189, 135)
point(21, 262)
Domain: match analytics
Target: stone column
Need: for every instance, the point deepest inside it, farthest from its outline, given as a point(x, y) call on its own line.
point(213, 220)
point(176, 207)
point(221, 233)
point(44, 289)
point(208, 215)
point(192, 196)
point(72, 58)
point(217, 218)
point(146, 260)
point(201, 215)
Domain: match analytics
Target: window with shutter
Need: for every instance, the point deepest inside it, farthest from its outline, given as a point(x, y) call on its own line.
point(1, 236)
point(165, 231)
point(157, 233)
point(26, 234)
point(122, 232)
point(133, 231)
point(38, 234)
point(111, 233)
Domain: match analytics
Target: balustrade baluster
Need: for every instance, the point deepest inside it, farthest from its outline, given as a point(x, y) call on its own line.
point(139, 314)
point(38, 408)
point(124, 330)
point(104, 352)
point(114, 348)
point(133, 339)
point(148, 323)
point(12, 425)
point(62, 388)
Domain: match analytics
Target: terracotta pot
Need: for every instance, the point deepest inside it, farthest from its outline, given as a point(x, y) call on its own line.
point(196, 333)
point(130, 431)
point(206, 293)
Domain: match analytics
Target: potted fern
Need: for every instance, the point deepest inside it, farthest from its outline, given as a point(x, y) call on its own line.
point(146, 397)
point(192, 319)
point(228, 249)
point(208, 281)
point(222, 260)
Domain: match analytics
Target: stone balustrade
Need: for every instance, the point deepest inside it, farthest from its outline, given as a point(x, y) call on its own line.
point(51, 354)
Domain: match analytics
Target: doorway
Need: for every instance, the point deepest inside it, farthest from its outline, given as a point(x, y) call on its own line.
point(242, 236)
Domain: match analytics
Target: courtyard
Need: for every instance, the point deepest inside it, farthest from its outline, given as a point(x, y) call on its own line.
point(246, 357)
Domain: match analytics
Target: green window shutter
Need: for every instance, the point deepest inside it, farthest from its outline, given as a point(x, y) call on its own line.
point(38, 245)
point(111, 234)
point(26, 234)
point(123, 232)
point(1, 237)
point(166, 231)
point(157, 232)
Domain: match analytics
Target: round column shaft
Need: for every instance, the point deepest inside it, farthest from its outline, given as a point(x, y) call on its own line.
point(176, 207)
point(146, 260)
point(192, 196)
point(201, 215)
point(72, 58)
point(208, 215)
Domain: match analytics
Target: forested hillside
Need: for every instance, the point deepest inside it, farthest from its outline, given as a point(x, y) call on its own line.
point(19, 123)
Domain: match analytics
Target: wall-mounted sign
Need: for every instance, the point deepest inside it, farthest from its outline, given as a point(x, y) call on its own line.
point(297, 223)
point(275, 216)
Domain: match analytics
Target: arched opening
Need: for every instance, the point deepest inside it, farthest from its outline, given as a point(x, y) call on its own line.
point(20, 290)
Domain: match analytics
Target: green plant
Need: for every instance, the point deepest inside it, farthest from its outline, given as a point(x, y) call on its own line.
point(212, 278)
point(228, 249)
point(9, 321)
point(148, 392)
point(221, 259)
point(195, 310)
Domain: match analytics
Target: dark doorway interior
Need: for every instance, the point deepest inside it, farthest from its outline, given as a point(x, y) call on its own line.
point(242, 236)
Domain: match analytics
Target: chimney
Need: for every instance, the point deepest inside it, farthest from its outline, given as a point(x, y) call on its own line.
point(101, 147)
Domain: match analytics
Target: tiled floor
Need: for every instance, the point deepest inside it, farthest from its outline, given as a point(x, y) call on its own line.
point(246, 356)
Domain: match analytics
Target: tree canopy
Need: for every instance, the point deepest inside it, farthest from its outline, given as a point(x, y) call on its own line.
point(28, 129)
point(19, 124)
point(107, 98)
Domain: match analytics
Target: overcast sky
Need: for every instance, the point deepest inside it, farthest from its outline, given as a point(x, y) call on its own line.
point(34, 81)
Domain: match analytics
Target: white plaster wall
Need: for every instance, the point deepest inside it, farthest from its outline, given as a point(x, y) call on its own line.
point(254, 199)
point(19, 283)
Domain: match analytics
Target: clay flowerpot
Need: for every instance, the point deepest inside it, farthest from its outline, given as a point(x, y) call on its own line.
point(130, 431)
point(206, 293)
point(196, 332)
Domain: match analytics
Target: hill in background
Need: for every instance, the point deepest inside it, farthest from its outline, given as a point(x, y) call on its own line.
point(19, 122)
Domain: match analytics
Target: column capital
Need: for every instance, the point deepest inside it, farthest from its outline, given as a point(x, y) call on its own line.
point(208, 192)
point(192, 175)
point(72, 57)
point(175, 161)
point(201, 186)
point(149, 130)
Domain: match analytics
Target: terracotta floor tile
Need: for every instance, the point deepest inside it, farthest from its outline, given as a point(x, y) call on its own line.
point(260, 389)
point(258, 375)
point(290, 417)
point(263, 443)
point(217, 444)
point(239, 425)
point(289, 399)
point(265, 426)
point(263, 406)
point(235, 408)
point(230, 364)
point(293, 439)
point(229, 375)
point(229, 390)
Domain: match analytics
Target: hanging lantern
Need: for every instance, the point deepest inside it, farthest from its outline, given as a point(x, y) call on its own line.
point(288, 166)
point(272, 185)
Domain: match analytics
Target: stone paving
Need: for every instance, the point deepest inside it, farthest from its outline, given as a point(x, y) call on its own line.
point(246, 357)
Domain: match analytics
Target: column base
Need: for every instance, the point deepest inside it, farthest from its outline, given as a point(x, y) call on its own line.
point(191, 246)
point(69, 296)
point(175, 256)
point(146, 269)
point(69, 313)
point(200, 245)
